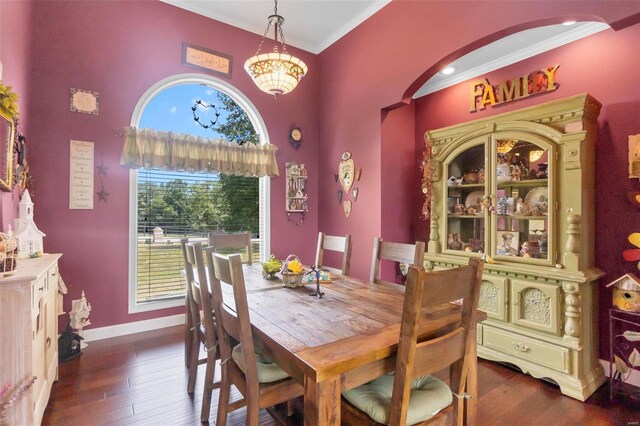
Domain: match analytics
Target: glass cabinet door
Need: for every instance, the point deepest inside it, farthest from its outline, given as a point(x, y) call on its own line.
point(523, 199)
point(467, 202)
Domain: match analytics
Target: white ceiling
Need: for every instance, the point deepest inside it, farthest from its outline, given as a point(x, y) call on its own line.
point(509, 50)
point(311, 25)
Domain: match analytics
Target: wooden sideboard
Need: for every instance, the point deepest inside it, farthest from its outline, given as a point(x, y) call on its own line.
point(29, 335)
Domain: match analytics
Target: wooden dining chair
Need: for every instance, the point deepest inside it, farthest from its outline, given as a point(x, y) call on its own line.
point(191, 338)
point(410, 254)
point(410, 395)
point(207, 330)
point(337, 244)
point(232, 243)
point(261, 382)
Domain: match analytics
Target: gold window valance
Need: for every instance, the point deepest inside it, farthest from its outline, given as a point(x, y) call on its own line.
point(151, 149)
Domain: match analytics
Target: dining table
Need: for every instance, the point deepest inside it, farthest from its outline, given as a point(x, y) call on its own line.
point(342, 340)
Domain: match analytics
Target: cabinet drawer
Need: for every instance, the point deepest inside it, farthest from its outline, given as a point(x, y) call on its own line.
point(532, 350)
point(52, 277)
point(37, 291)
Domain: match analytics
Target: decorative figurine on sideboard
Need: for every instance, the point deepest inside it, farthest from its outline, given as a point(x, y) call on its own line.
point(28, 235)
point(626, 293)
point(79, 316)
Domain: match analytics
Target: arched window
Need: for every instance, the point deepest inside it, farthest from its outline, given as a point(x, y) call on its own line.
point(166, 206)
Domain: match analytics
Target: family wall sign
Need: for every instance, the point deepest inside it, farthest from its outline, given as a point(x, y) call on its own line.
point(485, 94)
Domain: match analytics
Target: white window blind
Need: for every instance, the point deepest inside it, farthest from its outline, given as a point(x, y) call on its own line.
point(175, 205)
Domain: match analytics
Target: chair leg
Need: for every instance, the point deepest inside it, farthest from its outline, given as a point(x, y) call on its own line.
point(253, 413)
point(223, 398)
point(290, 407)
point(193, 363)
point(208, 386)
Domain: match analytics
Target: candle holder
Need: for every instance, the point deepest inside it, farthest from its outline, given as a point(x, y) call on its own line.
point(317, 274)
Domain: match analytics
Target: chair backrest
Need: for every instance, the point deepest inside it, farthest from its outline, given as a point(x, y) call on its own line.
point(200, 292)
point(189, 268)
point(233, 321)
point(411, 254)
point(222, 243)
point(338, 244)
point(418, 358)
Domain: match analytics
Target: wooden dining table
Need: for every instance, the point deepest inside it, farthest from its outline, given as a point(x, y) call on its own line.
point(344, 339)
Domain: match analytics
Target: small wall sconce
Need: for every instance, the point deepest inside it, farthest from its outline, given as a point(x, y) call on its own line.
point(634, 156)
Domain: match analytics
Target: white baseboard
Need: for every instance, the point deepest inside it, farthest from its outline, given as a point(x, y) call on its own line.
point(634, 378)
point(132, 327)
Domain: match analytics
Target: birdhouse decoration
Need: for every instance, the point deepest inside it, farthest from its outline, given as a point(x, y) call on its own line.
point(626, 292)
point(79, 315)
point(28, 235)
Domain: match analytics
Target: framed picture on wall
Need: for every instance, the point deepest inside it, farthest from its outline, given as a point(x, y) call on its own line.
point(206, 60)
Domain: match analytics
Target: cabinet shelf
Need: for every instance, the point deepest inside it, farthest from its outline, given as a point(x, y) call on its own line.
point(466, 185)
point(465, 216)
point(523, 183)
point(517, 217)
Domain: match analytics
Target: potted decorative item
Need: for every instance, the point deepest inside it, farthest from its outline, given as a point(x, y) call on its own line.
point(292, 272)
point(271, 267)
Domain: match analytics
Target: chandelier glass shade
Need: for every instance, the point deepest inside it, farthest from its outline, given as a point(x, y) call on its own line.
point(278, 72)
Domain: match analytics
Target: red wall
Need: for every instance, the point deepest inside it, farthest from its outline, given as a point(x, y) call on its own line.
point(385, 60)
point(15, 39)
point(120, 49)
point(601, 65)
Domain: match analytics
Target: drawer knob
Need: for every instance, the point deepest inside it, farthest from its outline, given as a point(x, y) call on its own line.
point(48, 342)
point(520, 347)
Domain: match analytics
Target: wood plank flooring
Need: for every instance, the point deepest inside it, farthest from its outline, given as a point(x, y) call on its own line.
point(140, 379)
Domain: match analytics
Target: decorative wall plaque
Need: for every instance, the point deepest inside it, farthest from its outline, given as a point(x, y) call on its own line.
point(346, 171)
point(84, 101)
point(206, 60)
point(80, 175)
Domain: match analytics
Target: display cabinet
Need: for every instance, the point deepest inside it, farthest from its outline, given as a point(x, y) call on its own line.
point(518, 189)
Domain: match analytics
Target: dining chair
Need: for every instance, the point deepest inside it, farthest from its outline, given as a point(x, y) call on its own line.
point(224, 243)
point(337, 244)
point(191, 339)
point(411, 395)
point(261, 382)
point(207, 330)
point(410, 254)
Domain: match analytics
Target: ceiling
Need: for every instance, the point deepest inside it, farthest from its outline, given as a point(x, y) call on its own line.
point(314, 25)
point(311, 25)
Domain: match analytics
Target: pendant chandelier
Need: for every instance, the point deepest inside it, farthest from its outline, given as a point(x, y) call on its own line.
point(277, 72)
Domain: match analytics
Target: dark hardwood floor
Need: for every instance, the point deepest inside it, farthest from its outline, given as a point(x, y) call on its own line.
point(141, 379)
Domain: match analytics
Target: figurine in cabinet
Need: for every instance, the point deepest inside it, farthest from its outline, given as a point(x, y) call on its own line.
point(453, 241)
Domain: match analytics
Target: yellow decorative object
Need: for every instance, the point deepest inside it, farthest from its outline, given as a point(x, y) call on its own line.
point(8, 101)
point(626, 293)
point(292, 272)
point(271, 267)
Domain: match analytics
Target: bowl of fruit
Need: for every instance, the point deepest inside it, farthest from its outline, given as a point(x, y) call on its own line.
point(271, 267)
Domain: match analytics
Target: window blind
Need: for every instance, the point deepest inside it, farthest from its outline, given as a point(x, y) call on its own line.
point(175, 205)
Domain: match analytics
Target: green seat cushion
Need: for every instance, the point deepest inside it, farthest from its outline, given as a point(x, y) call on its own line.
point(268, 371)
point(429, 395)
